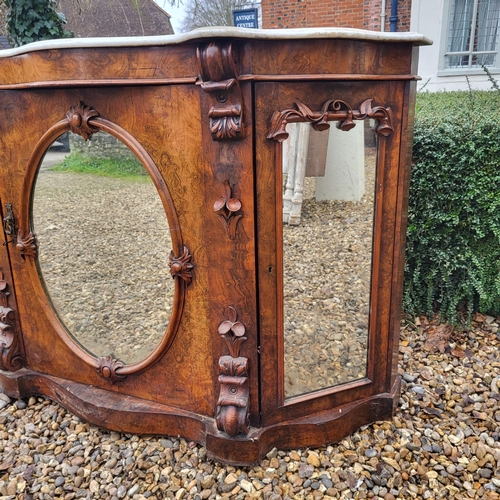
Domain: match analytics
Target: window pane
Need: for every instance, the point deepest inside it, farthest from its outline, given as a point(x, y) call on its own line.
point(460, 25)
point(457, 62)
point(483, 60)
point(474, 27)
point(487, 25)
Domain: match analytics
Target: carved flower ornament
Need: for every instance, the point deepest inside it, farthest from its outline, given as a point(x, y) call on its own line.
point(225, 208)
point(181, 266)
point(107, 367)
point(232, 331)
point(79, 120)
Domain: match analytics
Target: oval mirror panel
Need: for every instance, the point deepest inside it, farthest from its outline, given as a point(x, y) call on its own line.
point(104, 243)
point(328, 212)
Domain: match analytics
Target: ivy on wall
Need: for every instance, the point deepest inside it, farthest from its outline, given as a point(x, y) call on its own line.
point(33, 20)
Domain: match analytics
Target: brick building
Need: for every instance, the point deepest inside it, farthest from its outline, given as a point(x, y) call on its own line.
point(364, 14)
point(466, 33)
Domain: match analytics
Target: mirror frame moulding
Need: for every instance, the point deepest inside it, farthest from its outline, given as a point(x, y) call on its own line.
point(341, 113)
point(106, 366)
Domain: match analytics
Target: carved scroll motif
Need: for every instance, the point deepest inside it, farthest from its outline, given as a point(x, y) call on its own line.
point(332, 110)
point(181, 266)
point(232, 405)
point(219, 76)
point(226, 209)
point(10, 343)
point(79, 120)
point(27, 245)
point(107, 367)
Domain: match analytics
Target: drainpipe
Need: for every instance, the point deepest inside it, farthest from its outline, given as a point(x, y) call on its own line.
point(394, 15)
point(382, 16)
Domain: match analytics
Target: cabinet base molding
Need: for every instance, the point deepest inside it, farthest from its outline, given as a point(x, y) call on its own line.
point(118, 412)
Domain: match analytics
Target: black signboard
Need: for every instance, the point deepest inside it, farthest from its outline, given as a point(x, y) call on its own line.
point(248, 18)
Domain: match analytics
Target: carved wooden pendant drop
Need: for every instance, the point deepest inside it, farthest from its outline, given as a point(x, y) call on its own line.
point(232, 406)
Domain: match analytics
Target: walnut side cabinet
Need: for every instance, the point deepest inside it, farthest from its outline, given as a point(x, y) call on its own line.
point(206, 115)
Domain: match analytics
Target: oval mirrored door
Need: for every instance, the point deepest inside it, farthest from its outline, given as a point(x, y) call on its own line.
point(104, 243)
point(328, 211)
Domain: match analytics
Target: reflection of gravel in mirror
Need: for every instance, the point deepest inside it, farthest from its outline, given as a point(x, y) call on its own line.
point(327, 261)
point(103, 251)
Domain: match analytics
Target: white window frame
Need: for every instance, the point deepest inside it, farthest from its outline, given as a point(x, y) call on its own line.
point(445, 40)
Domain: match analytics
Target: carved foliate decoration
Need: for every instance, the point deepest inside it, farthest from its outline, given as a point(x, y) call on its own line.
point(107, 367)
point(79, 120)
point(233, 403)
point(225, 122)
point(27, 245)
point(181, 267)
point(332, 110)
point(226, 209)
point(10, 343)
point(219, 77)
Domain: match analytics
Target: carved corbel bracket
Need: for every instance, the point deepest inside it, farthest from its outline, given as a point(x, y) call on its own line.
point(79, 120)
point(181, 266)
point(332, 110)
point(232, 410)
point(219, 76)
point(232, 406)
point(10, 343)
point(226, 209)
point(107, 367)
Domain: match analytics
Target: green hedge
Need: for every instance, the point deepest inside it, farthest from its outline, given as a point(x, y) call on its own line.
point(453, 241)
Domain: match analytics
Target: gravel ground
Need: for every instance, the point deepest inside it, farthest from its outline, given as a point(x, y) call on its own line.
point(103, 252)
point(442, 443)
point(327, 261)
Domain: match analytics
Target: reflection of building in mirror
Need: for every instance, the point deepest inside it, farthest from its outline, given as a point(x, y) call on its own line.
point(101, 145)
point(334, 157)
point(327, 264)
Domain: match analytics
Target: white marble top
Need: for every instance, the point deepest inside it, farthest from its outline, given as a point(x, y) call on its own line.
point(220, 32)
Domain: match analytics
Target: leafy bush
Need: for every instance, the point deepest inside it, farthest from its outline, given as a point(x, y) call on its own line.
point(453, 239)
